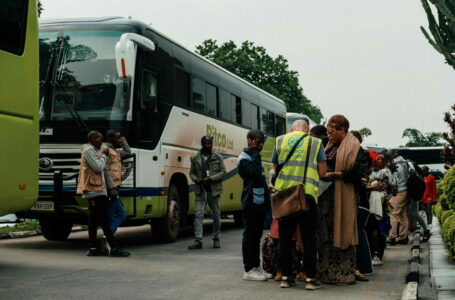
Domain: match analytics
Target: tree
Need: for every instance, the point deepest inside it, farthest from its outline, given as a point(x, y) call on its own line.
point(365, 132)
point(417, 139)
point(443, 30)
point(448, 152)
point(253, 64)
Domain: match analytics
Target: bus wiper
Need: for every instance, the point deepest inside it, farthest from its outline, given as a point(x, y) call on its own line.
point(69, 107)
point(59, 72)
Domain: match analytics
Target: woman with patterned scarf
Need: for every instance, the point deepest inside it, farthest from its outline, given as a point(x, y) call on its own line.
point(347, 163)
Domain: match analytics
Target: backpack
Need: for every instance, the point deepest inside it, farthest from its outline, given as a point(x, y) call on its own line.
point(415, 183)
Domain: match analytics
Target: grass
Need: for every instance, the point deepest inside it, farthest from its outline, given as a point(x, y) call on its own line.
point(23, 226)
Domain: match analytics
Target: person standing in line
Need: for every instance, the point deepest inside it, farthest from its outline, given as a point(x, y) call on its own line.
point(399, 203)
point(430, 196)
point(347, 164)
point(255, 203)
point(292, 174)
point(207, 171)
point(115, 140)
point(94, 183)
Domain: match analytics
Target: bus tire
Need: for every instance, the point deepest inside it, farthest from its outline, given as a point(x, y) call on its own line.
point(54, 229)
point(238, 219)
point(166, 230)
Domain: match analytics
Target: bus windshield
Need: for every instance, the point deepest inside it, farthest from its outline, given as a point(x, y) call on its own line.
point(79, 77)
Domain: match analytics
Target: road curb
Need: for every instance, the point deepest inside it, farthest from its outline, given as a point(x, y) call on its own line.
point(411, 290)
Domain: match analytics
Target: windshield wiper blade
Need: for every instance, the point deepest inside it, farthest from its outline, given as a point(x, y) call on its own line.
point(74, 114)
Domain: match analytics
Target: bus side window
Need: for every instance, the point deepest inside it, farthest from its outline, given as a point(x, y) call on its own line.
point(149, 122)
point(268, 122)
point(246, 113)
point(254, 116)
point(148, 92)
point(199, 102)
point(236, 109)
point(279, 126)
point(225, 106)
point(13, 25)
point(212, 99)
point(182, 87)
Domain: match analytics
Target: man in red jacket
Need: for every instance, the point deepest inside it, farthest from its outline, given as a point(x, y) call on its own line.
point(431, 194)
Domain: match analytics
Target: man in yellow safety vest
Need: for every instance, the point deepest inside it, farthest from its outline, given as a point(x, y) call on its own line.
point(292, 174)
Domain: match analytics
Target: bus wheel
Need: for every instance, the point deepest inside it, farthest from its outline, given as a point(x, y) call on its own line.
point(55, 230)
point(238, 219)
point(166, 230)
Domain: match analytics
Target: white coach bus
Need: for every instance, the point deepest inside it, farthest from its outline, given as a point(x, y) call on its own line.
point(119, 73)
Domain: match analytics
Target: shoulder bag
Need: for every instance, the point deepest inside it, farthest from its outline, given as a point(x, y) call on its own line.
point(292, 201)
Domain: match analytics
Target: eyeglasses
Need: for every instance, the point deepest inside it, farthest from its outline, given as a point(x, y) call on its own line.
point(329, 132)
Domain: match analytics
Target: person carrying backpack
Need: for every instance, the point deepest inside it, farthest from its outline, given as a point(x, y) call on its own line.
point(399, 203)
point(416, 188)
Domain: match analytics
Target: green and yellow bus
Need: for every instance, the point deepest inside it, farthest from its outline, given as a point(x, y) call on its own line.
point(103, 73)
point(19, 122)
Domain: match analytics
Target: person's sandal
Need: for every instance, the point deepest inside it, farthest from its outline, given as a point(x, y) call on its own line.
point(359, 276)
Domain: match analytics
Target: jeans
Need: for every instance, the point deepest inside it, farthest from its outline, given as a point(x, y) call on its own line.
point(251, 242)
point(399, 215)
point(413, 208)
point(214, 205)
point(308, 224)
point(98, 216)
point(116, 213)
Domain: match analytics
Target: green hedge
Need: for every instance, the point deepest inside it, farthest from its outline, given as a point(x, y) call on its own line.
point(448, 234)
point(444, 210)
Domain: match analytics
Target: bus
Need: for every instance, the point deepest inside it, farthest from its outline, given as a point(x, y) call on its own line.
point(423, 156)
point(113, 72)
point(19, 123)
point(292, 117)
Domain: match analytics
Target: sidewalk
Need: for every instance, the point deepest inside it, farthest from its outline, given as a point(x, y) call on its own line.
point(442, 268)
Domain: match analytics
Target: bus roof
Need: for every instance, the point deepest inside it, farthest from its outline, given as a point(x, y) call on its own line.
point(140, 25)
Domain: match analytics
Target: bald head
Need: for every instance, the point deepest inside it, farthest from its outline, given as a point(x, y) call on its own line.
point(300, 125)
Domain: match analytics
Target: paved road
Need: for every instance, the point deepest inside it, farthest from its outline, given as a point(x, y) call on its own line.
point(33, 268)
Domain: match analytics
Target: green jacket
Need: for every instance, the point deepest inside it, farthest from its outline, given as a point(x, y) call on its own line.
point(216, 172)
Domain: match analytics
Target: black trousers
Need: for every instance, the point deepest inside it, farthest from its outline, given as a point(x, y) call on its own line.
point(308, 224)
point(98, 216)
point(253, 221)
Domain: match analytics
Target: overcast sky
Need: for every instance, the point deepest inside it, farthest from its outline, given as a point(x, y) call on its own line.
point(367, 60)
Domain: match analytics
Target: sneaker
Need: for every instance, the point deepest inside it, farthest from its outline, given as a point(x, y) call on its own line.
point(278, 276)
point(426, 236)
point(287, 282)
point(312, 284)
point(254, 275)
point(266, 274)
point(377, 261)
point(119, 252)
point(216, 243)
point(403, 241)
point(391, 241)
point(93, 252)
point(104, 246)
point(195, 246)
point(301, 276)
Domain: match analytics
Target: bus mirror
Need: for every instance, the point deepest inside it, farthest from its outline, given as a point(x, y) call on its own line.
point(125, 53)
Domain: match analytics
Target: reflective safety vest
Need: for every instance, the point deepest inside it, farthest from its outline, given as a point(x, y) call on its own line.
point(293, 171)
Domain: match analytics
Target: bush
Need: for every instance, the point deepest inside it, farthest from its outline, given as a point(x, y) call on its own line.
point(446, 214)
point(448, 234)
point(437, 211)
point(447, 197)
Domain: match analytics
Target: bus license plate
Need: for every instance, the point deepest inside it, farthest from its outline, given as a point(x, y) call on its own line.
point(44, 206)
